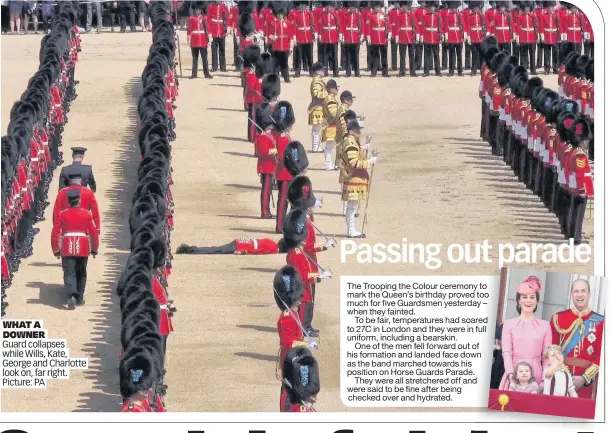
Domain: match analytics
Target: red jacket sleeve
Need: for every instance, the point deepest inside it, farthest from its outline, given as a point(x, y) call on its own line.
point(55, 234)
point(57, 207)
point(93, 235)
point(95, 213)
point(189, 27)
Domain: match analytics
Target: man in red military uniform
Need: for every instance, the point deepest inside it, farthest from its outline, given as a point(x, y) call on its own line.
point(431, 35)
point(342, 47)
point(549, 28)
point(281, 37)
point(468, 46)
point(87, 199)
point(303, 24)
point(453, 35)
point(527, 37)
point(579, 331)
point(284, 119)
point(366, 13)
point(445, 52)
point(571, 27)
point(377, 36)
point(405, 33)
point(352, 39)
point(73, 238)
point(197, 36)
point(392, 18)
point(317, 13)
point(500, 26)
point(239, 247)
point(329, 26)
point(580, 182)
point(267, 156)
point(539, 7)
point(218, 23)
point(475, 31)
point(515, 29)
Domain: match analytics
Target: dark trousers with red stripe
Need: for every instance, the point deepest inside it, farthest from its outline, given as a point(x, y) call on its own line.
point(266, 190)
point(282, 204)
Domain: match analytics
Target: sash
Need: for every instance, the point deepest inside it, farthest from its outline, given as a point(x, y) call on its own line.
point(576, 337)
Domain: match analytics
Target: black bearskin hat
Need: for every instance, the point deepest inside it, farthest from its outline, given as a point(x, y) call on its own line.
point(279, 7)
point(531, 85)
point(568, 105)
point(570, 64)
point(489, 54)
point(504, 74)
point(295, 158)
point(270, 87)
point(497, 61)
point(300, 376)
point(251, 55)
point(580, 131)
point(245, 6)
point(564, 122)
point(138, 371)
point(295, 228)
point(300, 194)
point(263, 116)
point(580, 66)
point(288, 287)
point(283, 116)
point(246, 24)
point(265, 65)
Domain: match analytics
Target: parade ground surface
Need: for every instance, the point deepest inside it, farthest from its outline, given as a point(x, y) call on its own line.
point(435, 182)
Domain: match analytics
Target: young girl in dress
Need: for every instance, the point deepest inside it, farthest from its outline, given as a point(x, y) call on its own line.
point(524, 379)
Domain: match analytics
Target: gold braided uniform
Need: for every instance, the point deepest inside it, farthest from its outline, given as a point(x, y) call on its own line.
point(354, 170)
point(330, 108)
point(342, 131)
point(318, 92)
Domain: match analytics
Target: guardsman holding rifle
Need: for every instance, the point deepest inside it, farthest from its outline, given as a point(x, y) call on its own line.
point(73, 238)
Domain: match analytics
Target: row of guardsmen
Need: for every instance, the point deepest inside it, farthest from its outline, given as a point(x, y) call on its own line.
point(25, 183)
point(417, 33)
point(544, 135)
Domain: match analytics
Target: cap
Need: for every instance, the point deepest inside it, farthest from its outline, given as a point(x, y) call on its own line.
point(346, 95)
point(354, 125)
point(531, 285)
point(73, 194)
point(332, 84)
point(78, 150)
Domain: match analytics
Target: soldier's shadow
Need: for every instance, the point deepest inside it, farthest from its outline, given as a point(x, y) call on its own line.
point(52, 295)
point(258, 356)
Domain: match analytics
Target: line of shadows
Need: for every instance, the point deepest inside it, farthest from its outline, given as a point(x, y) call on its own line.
point(104, 348)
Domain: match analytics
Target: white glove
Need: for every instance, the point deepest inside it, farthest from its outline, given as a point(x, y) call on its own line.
point(369, 40)
point(341, 38)
point(312, 344)
point(468, 39)
point(367, 146)
point(326, 275)
point(373, 160)
point(563, 37)
point(318, 202)
point(315, 36)
point(330, 243)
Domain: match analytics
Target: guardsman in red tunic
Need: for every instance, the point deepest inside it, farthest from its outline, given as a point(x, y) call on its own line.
point(392, 18)
point(431, 34)
point(266, 17)
point(539, 7)
point(527, 36)
point(405, 33)
point(217, 15)
point(581, 183)
point(317, 13)
point(475, 31)
point(284, 119)
point(329, 26)
point(300, 381)
point(267, 156)
point(250, 57)
point(342, 47)
point(579, 331)
point(378, 29)
point(282, 38)
point(588, 37)
point(239, 247)
point(501, 26)
point(73, 238)
point(549, 28)
point(197, 35)
point(453, 31)
point(445, 52)
point(303, 24)
point(352, 39)
point(468, 46)
point(247, 26)
point(366, 12)
point(571, 27)
point(87, 199)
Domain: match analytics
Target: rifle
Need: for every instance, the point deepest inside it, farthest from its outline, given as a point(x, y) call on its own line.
point(176, 33)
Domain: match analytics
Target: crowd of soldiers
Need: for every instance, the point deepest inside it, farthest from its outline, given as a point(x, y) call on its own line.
point(30, 150)
point(428, 35)
point(546, 136)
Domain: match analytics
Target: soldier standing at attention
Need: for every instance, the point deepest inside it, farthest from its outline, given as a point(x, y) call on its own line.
point(453, 35)
point(73, 238)
point(405, 33)
point(197, 36)
point(377, 37)
point(87, 179)
point(329, 128)
point(218, 23)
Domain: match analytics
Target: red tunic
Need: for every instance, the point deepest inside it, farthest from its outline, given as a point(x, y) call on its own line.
point(289, 332)
point(329, 27)
point(88, 202)
point(527, 30)
point(281, 34)
point(282, 140)
point(431, 27)
point(218, 18)
point(571, 27)
point(74, 229)
point(303, 23)
point(377, 28)
point(580, 336)
point(196, 31)
point(365, 17)
point(165, 321)
point(307, 270)
point(588, 32)
point(256, 246)
point(267, 156)
point(548, 26)
point(251, 89)
point(474, 27)
point(579, 166)
point(351, 27)
point(452, 27)
point(500, 28)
